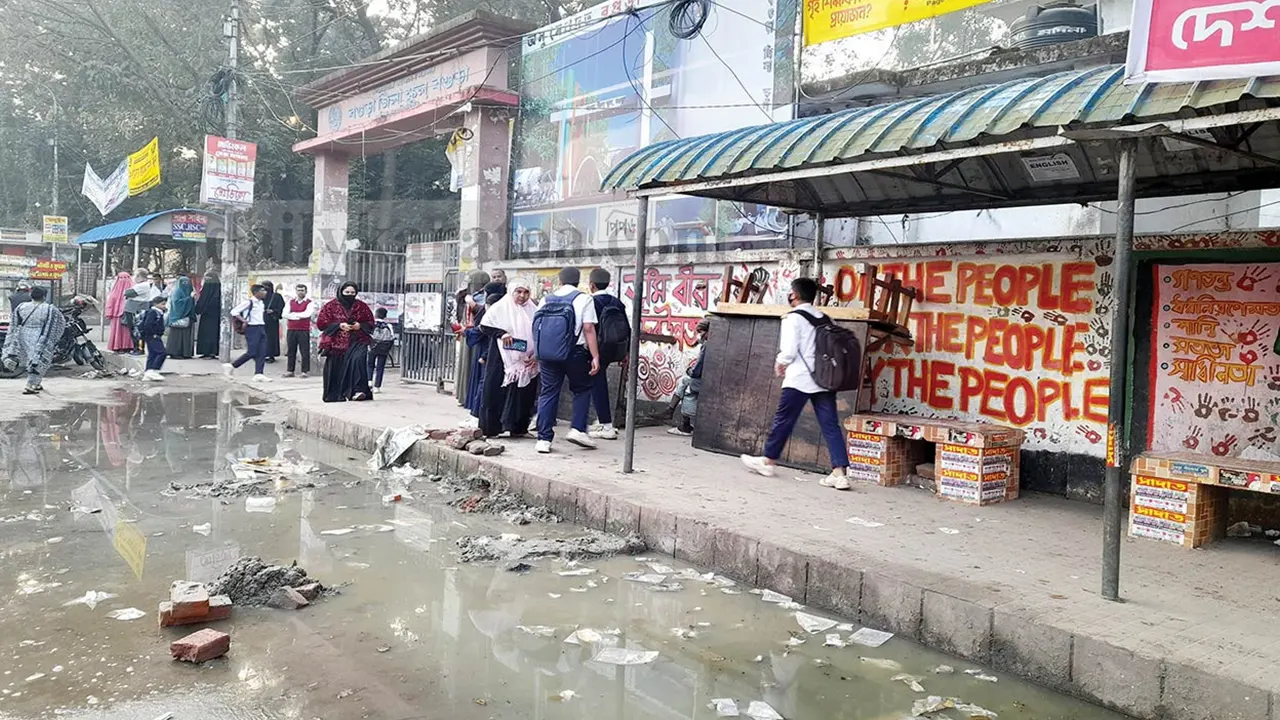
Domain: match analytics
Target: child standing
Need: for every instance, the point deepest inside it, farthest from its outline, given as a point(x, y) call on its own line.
point(383, 340)
point(151, 331)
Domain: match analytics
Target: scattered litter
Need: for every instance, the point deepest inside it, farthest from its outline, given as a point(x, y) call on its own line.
point(684, 633)
point(948, 531)
point(554, 596)
point(770, 596)
point(338, 532)
point(834, 640)
point(662, 569)
point(645, 578)
point(758, 659)
point(1242, 529)
point(479, 548)
point(542, 631)
point(392, 498)
point(758, 710)
point(845, 627)
point(393, 443)
point(260, 505)
point(910, 681)
point(521, 568)
point(91, 598)
point(813, 624)
point(344, 694)
point(566, 695)
point(793, 641)
point(790, 605)
point(623, 656)
point(943, 670)
point(870, 638)
point(864, 523)
point(981, 675)
point(588, 636)
point(384, 648)
point(932, 704)
point(580, 572)
point(974, 712)
point(33, 678)
point(724, 707)
point(821, 663)
point(204, 529)
point(730, 591)
point(480, 701)
point(126, 614)
point(668, 587)
point(1273, 533)
point(53, 541)
point(883, 664)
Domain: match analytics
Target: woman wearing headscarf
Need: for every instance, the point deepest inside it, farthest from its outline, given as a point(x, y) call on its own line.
point(511, 367)
point(121, 339)
point(345, 323)
point(182, 320)
point(479, 344)
point(271, 320)
point(470, 300)
point(209, 316)
point(34, 331)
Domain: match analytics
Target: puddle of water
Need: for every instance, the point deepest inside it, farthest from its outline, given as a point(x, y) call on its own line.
point(415, 634)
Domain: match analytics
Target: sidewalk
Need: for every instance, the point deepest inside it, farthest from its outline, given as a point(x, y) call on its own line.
point(1016, 587)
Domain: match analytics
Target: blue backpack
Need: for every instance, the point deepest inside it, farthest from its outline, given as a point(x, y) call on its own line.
point(555, 325)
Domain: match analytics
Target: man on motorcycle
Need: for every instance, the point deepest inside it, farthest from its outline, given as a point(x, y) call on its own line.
point(34, 331)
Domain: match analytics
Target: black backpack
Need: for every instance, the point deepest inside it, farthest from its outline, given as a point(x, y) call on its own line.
point(613, 333)
point(837, 355)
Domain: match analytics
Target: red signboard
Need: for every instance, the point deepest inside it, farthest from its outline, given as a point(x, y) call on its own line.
point(48, 270)
point(1187, 40)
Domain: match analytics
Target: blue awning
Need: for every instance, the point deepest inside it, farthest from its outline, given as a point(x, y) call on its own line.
point(126, 229)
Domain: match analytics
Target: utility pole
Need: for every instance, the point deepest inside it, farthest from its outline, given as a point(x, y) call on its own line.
point(230, 31)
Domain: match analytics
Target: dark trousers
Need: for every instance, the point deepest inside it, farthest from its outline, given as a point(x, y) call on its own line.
point(577, 370)
point(299, 341)
point(377, 366)
point(790, 405)
point(600, 395)
point(255, 336)
point(155, 353)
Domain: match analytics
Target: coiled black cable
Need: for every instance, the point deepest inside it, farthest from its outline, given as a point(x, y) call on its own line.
point(688, 17)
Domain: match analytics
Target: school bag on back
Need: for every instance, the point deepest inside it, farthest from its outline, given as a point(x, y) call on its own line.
point(613, 332)
point(383, 339)
point(837, 355)
point(555, 328)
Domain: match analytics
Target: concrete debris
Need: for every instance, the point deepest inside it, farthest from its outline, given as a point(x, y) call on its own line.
point(487, 499)
point(201, 646)
point(251, 582)
point(310, 591)
point(219, 609)
point(1273, 533)
point(393, 443)
point(511, 547)
point(287, 598)
point(188, 600)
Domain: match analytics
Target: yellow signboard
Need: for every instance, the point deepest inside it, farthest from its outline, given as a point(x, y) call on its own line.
point(144, 168)
point(55, 229)
point(834, 19)
point(131, 545)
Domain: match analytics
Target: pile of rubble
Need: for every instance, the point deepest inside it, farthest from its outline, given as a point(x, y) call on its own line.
point(472, 441)
point(512, 547)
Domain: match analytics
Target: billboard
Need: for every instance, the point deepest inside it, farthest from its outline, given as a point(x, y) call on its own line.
point(611, 80)
point(1191, 40)
point(227, 177)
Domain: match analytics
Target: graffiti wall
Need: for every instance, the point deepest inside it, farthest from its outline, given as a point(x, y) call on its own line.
point(1019, 340)
point(1215, 375)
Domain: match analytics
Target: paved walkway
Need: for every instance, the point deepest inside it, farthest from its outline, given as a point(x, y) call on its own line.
point(1013, 585)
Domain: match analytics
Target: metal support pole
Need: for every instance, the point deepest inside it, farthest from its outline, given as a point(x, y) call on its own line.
point(103, 308)
point(819, 241)
point(231, 32)
point(633, 356)
point(1113, 491)
point(137, 252)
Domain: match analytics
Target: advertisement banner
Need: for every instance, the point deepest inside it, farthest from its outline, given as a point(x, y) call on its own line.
point(229, 167)
point(1215, 374)
point(190, 226)
point(106, 195)
point(424, 263)
point(826, 20)
point(55, 229)
point(1191, 40)
point(144, 168)
point(48, 270)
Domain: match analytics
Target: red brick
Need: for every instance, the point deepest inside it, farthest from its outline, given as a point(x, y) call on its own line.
point(310, 591)
point(201, 646)
point(190, 600)
point(286, 598)
point(219, 609)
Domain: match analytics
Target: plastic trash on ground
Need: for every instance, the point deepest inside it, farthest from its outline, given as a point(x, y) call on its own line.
point(835, 641)
point(126, 614)
point(932, 704)
point(645, 578)
point(973, 712)
point(882, 663)
point(864, 523)
point(204, 529)
point(813, 624)
point(770, 596)
point(393, 443)
point(910, 681)
point(259, 504)
point(580, 572)
point(542, 631)
point(724, 707)
point(91, 598)
point(624, 656)
point(981, 675)
point(589, 636)
point(870, 638)
point(338, 532)
point(943, 670)
point(758, 710)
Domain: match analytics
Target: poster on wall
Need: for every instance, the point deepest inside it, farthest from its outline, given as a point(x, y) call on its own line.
point(1215, 372)
point(612, 80)
point(424, 263)
point(422, 311)
point(1194, 40)
point(1016, 340)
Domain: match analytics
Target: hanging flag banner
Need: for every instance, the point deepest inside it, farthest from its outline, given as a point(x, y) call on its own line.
point(106, 195)
point(826, 20)
point(55, 229)
point(229, 167)
point(1191, 40)
point(144, 168)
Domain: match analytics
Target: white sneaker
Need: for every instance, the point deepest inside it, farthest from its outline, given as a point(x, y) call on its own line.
point(837, 479)
point(261, 379)
point(604, 432)
point(678, 432)
point(757, 465)
point(304, 376)
point(583, 440)
point(543, 447)
point(153, 376)
point(227, 369)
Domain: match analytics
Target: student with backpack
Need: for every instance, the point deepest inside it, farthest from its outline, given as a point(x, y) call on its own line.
point(807, 336)
point(613, 337)
point(381, 341)
point(150, 329)
point(564, 334)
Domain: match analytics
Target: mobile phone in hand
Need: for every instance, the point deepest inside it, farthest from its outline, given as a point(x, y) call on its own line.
point(520, 345)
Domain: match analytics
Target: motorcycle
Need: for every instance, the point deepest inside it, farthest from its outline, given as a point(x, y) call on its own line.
point(74, 345)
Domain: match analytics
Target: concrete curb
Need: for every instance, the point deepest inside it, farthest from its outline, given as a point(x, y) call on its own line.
point(894, 599)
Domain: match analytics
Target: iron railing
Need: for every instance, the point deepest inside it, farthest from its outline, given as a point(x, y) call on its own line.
point(429, 356)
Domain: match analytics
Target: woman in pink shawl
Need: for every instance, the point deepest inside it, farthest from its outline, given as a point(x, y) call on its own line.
point(121, 339)
point(511, 368)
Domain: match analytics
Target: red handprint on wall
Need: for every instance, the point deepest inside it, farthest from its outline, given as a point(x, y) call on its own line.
point(1223, 447)
point(1192, 440)
point(1089, 434)
point(1250, 279)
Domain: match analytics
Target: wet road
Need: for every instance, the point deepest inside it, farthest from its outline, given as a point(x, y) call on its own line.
point(414, 633)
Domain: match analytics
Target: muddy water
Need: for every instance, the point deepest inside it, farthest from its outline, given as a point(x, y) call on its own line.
point(414, 633)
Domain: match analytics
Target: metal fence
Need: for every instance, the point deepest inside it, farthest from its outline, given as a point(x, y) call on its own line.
point(429, 356)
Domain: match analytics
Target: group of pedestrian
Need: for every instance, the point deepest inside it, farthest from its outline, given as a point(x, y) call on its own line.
point(191, 322)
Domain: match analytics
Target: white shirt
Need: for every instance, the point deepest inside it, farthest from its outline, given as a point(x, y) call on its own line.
point(251, 310)
point(308, 314)
point(797, 347)
point(584, 310)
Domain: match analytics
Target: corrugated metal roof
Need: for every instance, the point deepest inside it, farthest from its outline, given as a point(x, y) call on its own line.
point(1093, 97)
point(124, 228)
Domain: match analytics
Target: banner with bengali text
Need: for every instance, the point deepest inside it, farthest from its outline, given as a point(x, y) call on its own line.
point(826, 20)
